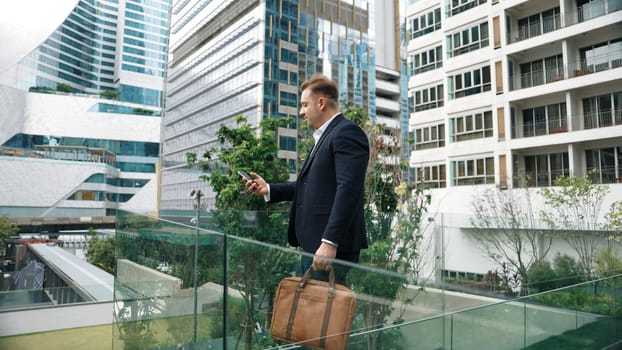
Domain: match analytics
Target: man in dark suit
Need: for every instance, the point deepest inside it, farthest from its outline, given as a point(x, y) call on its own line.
point(326, 216)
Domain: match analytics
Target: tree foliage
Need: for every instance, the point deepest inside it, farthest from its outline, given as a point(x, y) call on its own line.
point(614, 221)
point(393, 214)
point(241, 149)
point(100, 251)
point(507, 230)
point(608, 262)
point(7, 230)
point(573, 209)
point(564, 271)
point(63, 87)
point(242, 214)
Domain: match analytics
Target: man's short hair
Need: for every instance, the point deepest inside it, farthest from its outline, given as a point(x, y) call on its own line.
point(320, 84)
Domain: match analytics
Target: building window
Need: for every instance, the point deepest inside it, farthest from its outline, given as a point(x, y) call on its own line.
point(425, 61)
point(425, 23)
point(427, 98)
point(469, 127)
point(602, 56)
point(603, 164)
point(429, 137)
point(544, 120)
point(287, 143)
point(470, 83)
point(538, 72)
point(538, 24)
point(458, 6)
point(468, 40)
point(473, 171)
point(542, 170)
point(431, 176)
point(601, 111)
point(588, 9)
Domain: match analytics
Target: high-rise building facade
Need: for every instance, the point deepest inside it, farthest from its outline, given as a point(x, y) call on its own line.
point(82, 111)
point(230, 58)
point(505, 91)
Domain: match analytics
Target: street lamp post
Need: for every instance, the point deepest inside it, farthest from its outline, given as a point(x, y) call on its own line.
point(196, 194)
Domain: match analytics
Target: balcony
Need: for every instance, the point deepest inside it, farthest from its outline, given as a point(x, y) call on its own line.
point(548, 24)
point(205, 286)
point(611, 60)
point(603, 119)
point(538, 128)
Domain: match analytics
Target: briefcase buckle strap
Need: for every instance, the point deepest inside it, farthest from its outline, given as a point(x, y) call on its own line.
point(331, 293)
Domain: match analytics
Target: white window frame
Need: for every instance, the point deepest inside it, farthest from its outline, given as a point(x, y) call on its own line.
point(457, 43)
point(465, 127)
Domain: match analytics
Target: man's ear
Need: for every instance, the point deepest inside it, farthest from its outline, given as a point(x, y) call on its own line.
point(322, 102)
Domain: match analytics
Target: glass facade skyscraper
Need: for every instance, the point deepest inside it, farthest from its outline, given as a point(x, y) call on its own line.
point(86, 102)
point(230, 58)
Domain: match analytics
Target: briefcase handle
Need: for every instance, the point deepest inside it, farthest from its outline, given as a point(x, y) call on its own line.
point(307, 276)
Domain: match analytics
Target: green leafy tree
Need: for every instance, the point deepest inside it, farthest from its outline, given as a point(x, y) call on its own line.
point(506, 229)
point(564, 271)
point(63, 87)
point(100, 251)
point(608, 263)
point(7, 230)
point(541, 276)
point(245, 215)
point(567, 270)
point(393, 214)
point(614, 221)
point(572, 209)
point(109, 94)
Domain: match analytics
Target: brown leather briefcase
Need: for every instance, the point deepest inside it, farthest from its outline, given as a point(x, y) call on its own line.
point(312, 313)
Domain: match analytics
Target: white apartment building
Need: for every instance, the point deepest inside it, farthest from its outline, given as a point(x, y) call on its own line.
point(502, 89)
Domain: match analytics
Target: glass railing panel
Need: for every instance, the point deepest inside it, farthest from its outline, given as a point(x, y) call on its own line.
point(155, 290)
point(212, 284)
point(30, 298)
point(472, 329)
point(581, 317)
point(585, 316)
point(161, 298)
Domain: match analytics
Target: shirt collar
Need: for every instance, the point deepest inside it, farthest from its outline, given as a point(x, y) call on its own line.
point(319, 131)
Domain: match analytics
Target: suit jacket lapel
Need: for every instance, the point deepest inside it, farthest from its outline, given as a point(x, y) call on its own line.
point(316, 147)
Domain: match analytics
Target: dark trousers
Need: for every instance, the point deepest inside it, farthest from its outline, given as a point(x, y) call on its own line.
point(341, 270)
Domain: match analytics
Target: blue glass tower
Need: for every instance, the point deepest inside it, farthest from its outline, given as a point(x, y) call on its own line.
point(237, 57)
point(91, 94)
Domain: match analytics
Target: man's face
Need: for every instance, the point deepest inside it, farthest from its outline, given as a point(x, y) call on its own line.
point(311, 109)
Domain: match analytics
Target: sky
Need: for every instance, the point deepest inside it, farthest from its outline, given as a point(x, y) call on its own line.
point(24, 24)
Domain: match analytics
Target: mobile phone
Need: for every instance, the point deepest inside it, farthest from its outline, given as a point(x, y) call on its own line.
point(245, 175)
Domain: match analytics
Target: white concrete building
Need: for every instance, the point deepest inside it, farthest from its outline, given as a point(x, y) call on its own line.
point(503, 89)
point(82, 98)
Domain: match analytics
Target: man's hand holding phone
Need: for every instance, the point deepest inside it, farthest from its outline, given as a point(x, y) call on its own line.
point(255, 183)
point(245, 175)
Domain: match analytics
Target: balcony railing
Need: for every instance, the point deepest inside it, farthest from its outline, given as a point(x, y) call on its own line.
point(602, 119)
point(609, 61)
point(538, 179)
point(607, 175)
point(552, 126)
point(216, 291)
point(586, 12)
point(201, 284)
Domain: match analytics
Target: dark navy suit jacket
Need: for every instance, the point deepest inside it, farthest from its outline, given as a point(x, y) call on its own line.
point(327, 197)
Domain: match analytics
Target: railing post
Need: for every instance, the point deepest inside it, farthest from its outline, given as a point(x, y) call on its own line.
point(197, 194)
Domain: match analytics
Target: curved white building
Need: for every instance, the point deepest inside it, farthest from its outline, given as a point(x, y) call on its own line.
point(81, 111)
